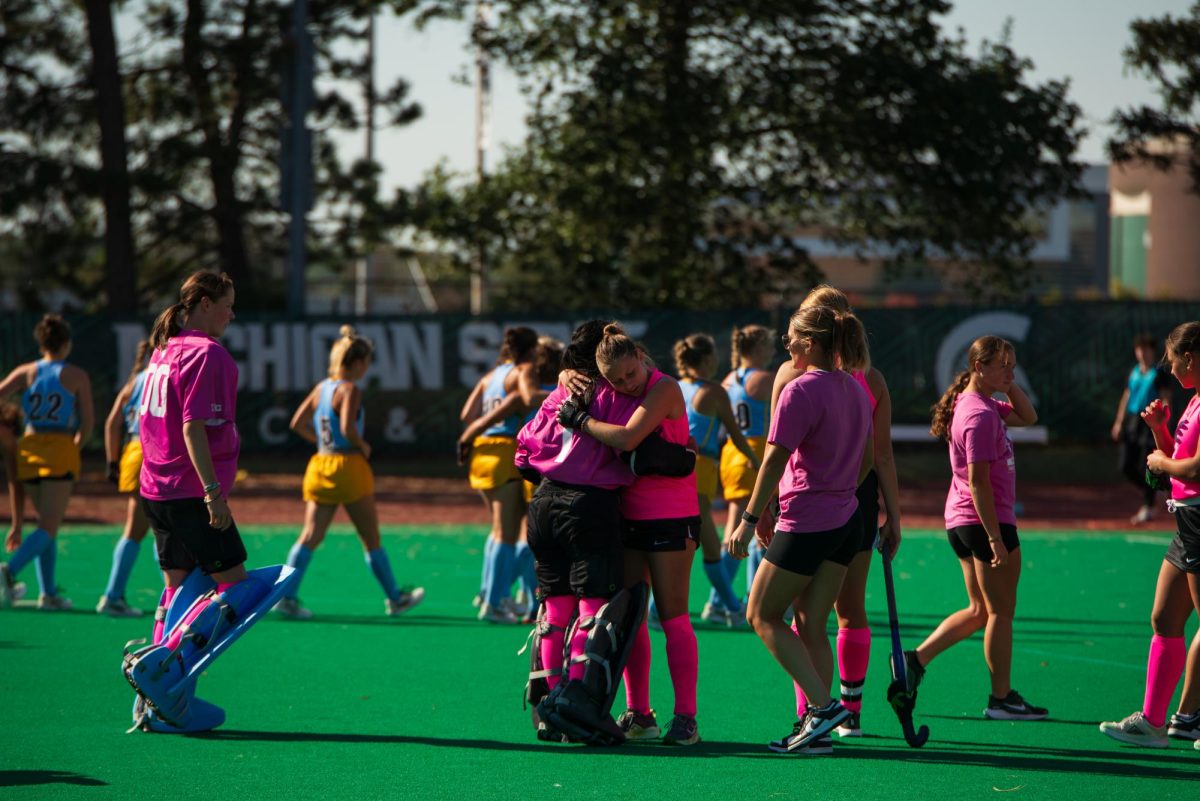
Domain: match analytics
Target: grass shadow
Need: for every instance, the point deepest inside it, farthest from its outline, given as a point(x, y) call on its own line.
point(29, 778)
point(383, 620)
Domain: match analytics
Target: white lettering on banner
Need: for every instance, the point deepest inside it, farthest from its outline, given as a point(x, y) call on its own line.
point(273, 426)
point(479, 341)
point(275, 355)
point(301, 377)
point(952, 353)
point(405, 359)
point(235, 342)
point(398, 429)
point(320, 337)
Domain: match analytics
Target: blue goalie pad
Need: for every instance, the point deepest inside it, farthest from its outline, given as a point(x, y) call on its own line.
point(201, 716)
point(194, 587)
point(165, 676)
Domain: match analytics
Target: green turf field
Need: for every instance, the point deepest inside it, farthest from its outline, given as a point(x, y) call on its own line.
point(353, 705)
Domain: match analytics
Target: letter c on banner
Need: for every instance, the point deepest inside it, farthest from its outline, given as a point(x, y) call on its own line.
point(273, 426)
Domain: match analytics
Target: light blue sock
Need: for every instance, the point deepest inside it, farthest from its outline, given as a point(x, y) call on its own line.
point(298, 558)
point(503, 561)
point(489, 550)
point(124, 558)
point(525, 570)
point(731, 566)
point(753, 560)
point(381, 566)
point(30, 548)
point(44, 566)
point(720, 582)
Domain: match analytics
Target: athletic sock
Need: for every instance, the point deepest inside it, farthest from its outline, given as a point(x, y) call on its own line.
point(853, 655)
point(637, 673)
point(164, 603)
point(525, 570)
point(489, 549)
point(720, 582)
point(588, 607)
point(683, 660)
point(753, 560)
point(801, 698)
point(298, 559)
point(1163, 669)
point(29, 550)
point(504, 559)
point(381, 566)
point(125, 556)
point(44, 566)
point(559, 610)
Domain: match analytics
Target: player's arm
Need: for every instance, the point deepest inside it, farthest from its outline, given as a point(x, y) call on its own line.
point(474, 405)
point(1023, 413)
point(774, 463)
point(663, 398)
point(715, 396)
point(16, 381)
point(302, 422)
point(979, 477)
point(1187, 469)
point(114, 426)
point(512, 404)
point(1119, 419)
point(885, 462)
point(195, 437)
point(349, 403)
point(83, 406)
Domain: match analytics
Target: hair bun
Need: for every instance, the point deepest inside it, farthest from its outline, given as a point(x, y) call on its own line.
point(347, 331)
point(613, 330)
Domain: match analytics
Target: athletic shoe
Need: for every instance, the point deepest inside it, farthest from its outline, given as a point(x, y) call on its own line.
point(1196, 745)
point(409, 597)
point(682, 731)
point(638, 726)
point(1136, 730)
point(1184, 727)
point(1013, 707)
point(477, 601)
point(1144, 515)
point(850, 727)
point(53, 603)
point(497, 614)
point(913, 671)
point(809, 732)
point(714, 613)
point(291, 609)
point(118, 608)
point(10, 591)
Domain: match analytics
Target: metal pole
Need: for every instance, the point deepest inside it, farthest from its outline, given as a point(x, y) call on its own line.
point(483, 101)
point(300, 162)
point(362, 277)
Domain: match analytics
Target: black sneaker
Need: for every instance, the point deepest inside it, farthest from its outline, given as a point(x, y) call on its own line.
point(816, 725)
point(913, 671)
point(1184, 727)
point(638, 726)
point(1013, 707)
point(682, 731)
point(792, 743)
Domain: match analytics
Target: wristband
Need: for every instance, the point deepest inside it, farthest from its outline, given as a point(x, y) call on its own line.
point(209, 489)
point(749, 518)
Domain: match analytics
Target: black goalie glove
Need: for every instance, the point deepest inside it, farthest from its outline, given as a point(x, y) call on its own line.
point(572, 414)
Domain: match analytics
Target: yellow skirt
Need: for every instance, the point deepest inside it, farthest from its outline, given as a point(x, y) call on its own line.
point(530, 488)
point(737, 474)
point(130, 479)
point(47, 455)
point(706, 476)
point(333, 479)
point(492, 462)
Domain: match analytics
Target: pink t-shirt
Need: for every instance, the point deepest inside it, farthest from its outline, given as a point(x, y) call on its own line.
point(568, 456)
point(192, 378)
point(824, 419)
point(662, 497)
point(1187, 433)
point(861, 377)
point(978, 434)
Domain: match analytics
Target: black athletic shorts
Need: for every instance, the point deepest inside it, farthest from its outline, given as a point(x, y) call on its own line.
point(804, 552)
point(968, 541)
point(1184, 550)
point(653, 536)
point(185, 540)
point(575, 536)
point(868, 512)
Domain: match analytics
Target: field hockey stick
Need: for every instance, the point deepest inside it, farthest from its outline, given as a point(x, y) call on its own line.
point(899, 697)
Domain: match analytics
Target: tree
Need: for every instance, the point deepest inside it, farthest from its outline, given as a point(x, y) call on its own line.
point(677, 148)
point(1167, 50)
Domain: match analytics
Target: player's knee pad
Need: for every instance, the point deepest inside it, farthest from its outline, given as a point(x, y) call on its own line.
point(581, 708)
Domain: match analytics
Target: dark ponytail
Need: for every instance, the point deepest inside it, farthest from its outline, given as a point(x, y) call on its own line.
point(199, 285)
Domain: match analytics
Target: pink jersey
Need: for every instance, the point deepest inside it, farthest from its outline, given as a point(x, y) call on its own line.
point(824, 419)
point(662, 497)
point(568, 456)
point(1187, 433)
point(978, 434)
point(861, 378)
point(192, 378)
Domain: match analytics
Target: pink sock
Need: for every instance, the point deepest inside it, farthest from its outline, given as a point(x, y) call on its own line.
point(1163, 669)
point(801, 698)
point(588, 607)
point(558, 613)
point(683, 660)
point(853, 653)
point(637, 673)
point(163, 603)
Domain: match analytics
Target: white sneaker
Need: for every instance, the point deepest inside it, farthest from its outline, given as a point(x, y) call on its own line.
point(117, 608)
point(1144, 515)
point(408, 599)
point(714, 613)
point(1136, 730)
point(291, 609)
point(53, 603)
point(497, 614)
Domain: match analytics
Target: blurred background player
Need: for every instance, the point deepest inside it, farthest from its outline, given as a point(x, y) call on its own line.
point(492, 472)
point(1147, 381)
point(10, 431)
point(708, 410)
point(338, 474)
point(124, 470)
point(981, 524)
point(1177, 591)
point(57, 403)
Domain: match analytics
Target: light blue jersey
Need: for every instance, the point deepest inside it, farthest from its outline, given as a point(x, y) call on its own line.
point(751, 414)
point(493, 396)
point(328, 423)
point(131, 409)
point(47, 404)
point(704, 429)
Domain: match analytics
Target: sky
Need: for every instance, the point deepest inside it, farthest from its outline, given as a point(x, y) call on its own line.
point(1080, 40)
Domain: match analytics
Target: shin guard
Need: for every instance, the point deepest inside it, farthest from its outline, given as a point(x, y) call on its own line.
point(537, 686)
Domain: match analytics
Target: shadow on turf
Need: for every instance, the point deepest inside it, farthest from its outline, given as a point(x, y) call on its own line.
point(441, 621)
point(979, 719)
point(26, 778)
